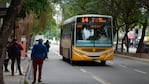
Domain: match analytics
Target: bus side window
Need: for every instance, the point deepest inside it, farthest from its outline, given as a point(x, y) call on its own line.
point(72, 34)
point(79, 34)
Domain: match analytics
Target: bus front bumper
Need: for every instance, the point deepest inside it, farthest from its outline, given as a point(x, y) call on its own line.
point(83, 57)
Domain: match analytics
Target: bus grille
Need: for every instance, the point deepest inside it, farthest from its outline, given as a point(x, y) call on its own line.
point(94, 56)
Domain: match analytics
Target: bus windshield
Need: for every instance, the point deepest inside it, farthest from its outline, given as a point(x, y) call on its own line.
point(94, 31)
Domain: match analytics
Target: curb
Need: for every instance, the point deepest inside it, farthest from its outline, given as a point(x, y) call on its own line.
point(133, 58)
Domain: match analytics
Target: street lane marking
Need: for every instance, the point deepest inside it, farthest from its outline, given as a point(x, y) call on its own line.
point(83, 70)
point(98, 79)
point(139, 71)
point(102, 81)
point(122, 65)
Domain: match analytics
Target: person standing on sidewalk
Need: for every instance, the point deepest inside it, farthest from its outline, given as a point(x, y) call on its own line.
point(6, 59)
point(47, 44)
point(14, 52)
point(39, 53)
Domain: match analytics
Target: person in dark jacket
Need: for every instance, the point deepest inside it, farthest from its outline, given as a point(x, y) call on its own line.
point(14, 52)
point(47, 44)
point(39, 53)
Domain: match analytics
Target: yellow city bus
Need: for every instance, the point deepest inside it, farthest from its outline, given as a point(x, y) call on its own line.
point(87, 38)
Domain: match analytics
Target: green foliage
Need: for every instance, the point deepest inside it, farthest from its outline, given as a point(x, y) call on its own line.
point(38, 6)
point(43, 11)
point(54, 32)
point(125, 10)
point(5, 0)
point(126, 13)
point(76, 7)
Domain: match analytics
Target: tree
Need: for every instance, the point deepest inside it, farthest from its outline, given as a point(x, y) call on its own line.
point(129, 17)
point(19, 8)
point(42, 12)
point(7, 27)
point(144, 22)
point(113, 8)
point(76, 7)
point(124, 14)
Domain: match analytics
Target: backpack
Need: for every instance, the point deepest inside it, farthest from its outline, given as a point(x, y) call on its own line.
point(16, 50)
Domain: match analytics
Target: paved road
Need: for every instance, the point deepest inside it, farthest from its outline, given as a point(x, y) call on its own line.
point(122, 71)
point(119, 71)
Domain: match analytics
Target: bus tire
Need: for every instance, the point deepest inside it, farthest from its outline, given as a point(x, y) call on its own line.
point(72, 62)
point(103, 62)
point(64, 59)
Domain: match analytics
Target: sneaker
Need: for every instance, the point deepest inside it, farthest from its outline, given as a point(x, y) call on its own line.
point(7, 70)
point(39, 81)
point(21, 74)
point(33, 82)
point(12, 74)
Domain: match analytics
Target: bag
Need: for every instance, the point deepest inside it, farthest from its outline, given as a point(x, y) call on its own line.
point(16, 50)
point(6, 55)
point(31, 75)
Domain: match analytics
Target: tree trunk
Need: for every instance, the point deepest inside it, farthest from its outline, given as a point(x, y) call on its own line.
point(1, 65)
point(140, 48)
point(125, 40)
point(122, 44)
point(117, 41)
point(7, 28)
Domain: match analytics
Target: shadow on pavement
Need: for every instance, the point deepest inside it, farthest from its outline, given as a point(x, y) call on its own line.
point(86, 63)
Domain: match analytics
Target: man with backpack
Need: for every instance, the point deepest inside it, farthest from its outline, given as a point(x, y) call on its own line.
point(14, 52)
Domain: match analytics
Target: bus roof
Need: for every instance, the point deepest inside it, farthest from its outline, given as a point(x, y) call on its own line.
point(86, 15)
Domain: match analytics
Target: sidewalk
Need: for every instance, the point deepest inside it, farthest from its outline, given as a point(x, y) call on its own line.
point(16, 79)
point(133, 55)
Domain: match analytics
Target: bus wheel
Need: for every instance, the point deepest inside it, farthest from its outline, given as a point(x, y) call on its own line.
point(64, 59)
point(103, 62)
point(72, 62)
